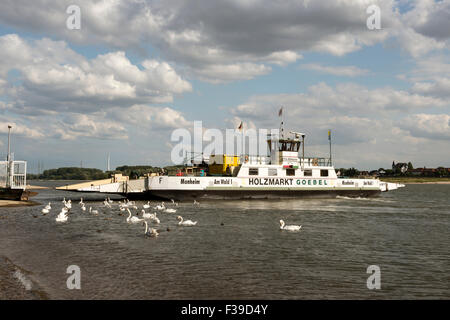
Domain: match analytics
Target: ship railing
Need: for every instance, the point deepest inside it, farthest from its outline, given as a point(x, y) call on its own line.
point(16, 178)
point(255, 159)
point(316, 162)
point(193, 158)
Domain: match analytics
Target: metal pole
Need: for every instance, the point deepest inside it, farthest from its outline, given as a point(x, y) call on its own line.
point(329, 139)
point(303, 151)
point(9, 145)
point(8, 166)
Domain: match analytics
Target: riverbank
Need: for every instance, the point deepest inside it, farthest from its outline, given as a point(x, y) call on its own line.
point(416, 180)
point(32, 187)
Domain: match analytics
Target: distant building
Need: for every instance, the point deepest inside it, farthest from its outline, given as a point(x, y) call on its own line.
point(423, 171)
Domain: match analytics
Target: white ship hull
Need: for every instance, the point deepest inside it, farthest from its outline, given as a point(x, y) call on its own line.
point(183, 188)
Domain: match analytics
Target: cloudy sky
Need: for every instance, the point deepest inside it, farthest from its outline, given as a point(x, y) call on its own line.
point(136, 70)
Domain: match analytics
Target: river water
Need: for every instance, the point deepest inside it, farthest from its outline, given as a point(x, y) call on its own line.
point(236, 250)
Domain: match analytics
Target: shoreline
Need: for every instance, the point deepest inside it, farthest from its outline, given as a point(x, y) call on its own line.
point(17, 203)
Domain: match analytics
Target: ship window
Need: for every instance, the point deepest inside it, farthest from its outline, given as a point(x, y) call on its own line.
point(324, 173)
point(253, 171)
point(308, 173)
point(290, 172)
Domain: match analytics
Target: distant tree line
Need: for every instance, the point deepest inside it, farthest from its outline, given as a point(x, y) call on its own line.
point(76, 173)
point(135, 172)
point(70, 173)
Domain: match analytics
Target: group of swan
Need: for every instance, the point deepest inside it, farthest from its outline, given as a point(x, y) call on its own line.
point(125, 205)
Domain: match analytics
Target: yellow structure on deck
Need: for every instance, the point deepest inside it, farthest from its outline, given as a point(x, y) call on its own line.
point(222, 164)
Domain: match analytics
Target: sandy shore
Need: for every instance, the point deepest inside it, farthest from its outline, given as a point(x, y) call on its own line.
point(30, 187)
point(17, 203)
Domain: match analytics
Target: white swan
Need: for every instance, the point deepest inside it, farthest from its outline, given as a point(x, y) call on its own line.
point(133, 219)
point(81, 202)
point(147, 205)
point(170, 210)
point(49, 206)
point(196, 202)
point(160, 206)
point(150, 233)
point(83, 207)
point(62, 216)
point(185, 223)
point(155, 219)
point(93, 211)
point(146, 215)
point(283, 226)
point(45, 210)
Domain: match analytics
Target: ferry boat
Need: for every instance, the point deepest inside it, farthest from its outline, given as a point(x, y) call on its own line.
point(284, 173)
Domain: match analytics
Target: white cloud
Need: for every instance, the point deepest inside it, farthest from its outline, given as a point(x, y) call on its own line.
point(430, 126)
point(439, 87)
point(75, 126)
point(205, 34)
point(54, 77)
point(231, 72)
point(19, 127)
point(345, 71)
point(357, 116)
point(151, 117)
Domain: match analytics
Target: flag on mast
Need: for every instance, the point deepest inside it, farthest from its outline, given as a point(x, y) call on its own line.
point(280, 113)
point(329, 135)
point(240, 126)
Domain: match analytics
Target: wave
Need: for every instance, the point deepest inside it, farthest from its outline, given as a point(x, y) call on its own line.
point(365, 199)
point(26, 283)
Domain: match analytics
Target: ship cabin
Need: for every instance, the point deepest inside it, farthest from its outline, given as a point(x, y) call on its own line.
point(284, 161)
